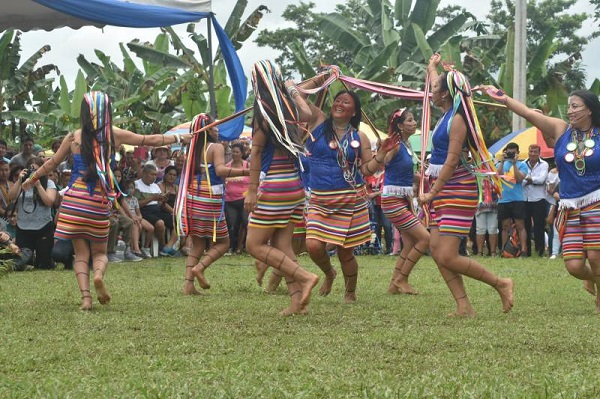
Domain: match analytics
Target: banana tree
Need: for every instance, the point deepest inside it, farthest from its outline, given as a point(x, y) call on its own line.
point(18, 83)
point(190, 89)
point(391, 43)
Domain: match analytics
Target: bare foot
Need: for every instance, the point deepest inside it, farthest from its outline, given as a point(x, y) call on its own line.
point(598, 305)
point(198, 271)
point(463, 314)
point(404, 287)
point(189, 288)
point(589, 286)
point(505, 288)
point(101, 291)
point(86, 300)
point(392, 289)
point(261, 269)
point(350, 297)
point(328, 283)
point(307, 287)
point(294, 309)
point(273, 283)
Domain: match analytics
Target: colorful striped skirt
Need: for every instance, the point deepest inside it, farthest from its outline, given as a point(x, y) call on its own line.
point(582, 231)
point(84, 216)
point(280, 197)
point(452, 210)
point(398, 211)
point(339, 217)
point(204, 212)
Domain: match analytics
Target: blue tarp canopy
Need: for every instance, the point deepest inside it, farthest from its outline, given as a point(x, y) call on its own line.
point(49, 14)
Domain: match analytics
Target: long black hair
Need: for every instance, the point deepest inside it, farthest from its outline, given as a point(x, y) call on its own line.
point(274, 110)
point(201, 140)
point(96, 129)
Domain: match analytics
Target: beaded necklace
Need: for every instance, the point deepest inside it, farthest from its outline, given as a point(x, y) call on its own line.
point(581, 146)
point(342, 146)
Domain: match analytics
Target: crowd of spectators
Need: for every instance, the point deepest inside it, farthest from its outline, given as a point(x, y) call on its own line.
point(148, 178)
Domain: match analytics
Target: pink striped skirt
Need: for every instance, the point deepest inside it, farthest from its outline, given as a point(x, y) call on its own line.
point(452, 209)
point(82, 215)
point(582, 231)
point(280, 197)
point(205, 216)
point(399, 212)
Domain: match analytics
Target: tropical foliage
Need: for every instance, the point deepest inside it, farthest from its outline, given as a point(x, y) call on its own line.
point(21, 86)
point(171, 86)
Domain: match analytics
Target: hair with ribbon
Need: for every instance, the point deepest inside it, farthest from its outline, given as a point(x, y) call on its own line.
point(274, 108)
point(192, 166)
point(97, 141)
point(397, 117)
point(481, 162)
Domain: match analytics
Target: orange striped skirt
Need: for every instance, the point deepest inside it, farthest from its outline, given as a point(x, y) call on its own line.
point(205, 216)
point(453, 209)
point(339, 217)
point(280, 197)
point(84, 216)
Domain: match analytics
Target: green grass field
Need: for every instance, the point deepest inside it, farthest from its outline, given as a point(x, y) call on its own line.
point(153, 342)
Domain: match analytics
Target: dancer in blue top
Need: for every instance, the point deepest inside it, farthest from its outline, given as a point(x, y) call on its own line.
point(339, 155)
point(85, 209)
point(454, 194)
point(396, 201)
point(577, 154)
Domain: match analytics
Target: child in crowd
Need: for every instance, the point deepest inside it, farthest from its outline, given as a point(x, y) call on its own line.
point(138, 222)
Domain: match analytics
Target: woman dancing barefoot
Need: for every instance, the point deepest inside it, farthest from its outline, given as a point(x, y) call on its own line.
point(339, 155)
point(85, 209)
point(276, 205)
point(577, 153)
point(201, 195)
point(396, 201)
point(454, 194)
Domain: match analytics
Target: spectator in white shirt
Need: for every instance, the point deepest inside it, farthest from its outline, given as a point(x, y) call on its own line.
point(536, 206)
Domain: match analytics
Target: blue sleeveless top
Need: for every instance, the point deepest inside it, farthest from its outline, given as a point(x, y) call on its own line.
point(324, 171)
point(572, 185)
point(399, 171)
point(212, 173)
point(79, 169)
point(440, 140)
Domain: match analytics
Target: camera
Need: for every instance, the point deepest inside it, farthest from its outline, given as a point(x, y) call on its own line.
point(30, 171)
point(510, 155)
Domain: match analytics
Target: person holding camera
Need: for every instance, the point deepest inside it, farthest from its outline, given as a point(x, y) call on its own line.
point(35, 224)
point(511, 206)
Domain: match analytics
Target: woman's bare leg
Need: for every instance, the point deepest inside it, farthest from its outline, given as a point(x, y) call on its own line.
point(349, 267)
point(445, 253)
point(216, 250)
point(192, 260)
point(256, 245)
point(416, 244)
point(100, 262)
point(82, 271)
point(318, 253)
